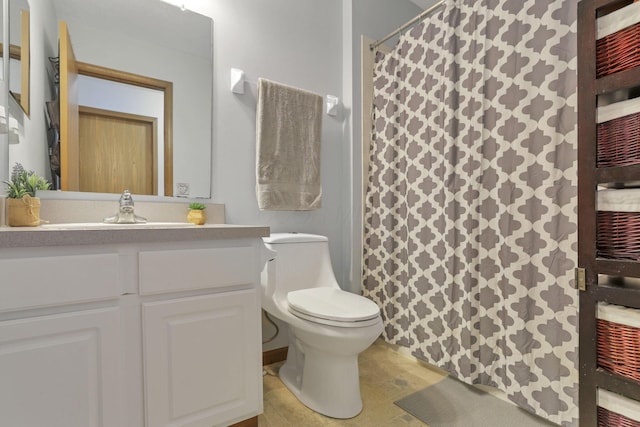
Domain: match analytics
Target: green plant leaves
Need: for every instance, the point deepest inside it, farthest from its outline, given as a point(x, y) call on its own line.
point(25, 182)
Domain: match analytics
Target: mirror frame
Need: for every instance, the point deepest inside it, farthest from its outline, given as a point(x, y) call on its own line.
point(23, 54)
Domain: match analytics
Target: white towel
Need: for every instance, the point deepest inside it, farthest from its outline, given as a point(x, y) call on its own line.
point(288, 137)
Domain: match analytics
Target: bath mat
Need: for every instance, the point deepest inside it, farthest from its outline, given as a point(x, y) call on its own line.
point(451, 403)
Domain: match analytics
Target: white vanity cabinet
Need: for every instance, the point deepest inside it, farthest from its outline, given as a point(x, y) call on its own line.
point(131, 334)
point(61, 370)
point(59, 366)
point(188, 377)
point(202, 353)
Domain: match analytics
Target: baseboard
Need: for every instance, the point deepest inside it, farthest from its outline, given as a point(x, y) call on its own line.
point(275, 355)
point(251, 422)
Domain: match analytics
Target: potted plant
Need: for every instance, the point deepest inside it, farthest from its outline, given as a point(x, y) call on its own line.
point(196, 213)
point(23, 207)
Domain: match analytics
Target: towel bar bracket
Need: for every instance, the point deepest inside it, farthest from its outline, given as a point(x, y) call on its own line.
point(237, 80)
point(332, 105)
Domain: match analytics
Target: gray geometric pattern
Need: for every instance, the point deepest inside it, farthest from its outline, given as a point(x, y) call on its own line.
point(470, 216)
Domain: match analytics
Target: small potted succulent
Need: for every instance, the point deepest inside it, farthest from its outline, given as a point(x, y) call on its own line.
point(23, 207)
point(196, 214)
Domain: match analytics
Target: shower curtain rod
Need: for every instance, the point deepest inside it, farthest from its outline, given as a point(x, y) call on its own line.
point(424, 14)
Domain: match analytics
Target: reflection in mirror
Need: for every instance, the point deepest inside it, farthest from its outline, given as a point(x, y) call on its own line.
point(124, 120)
point(148, 39)
point(1, 45)
point(19, 56)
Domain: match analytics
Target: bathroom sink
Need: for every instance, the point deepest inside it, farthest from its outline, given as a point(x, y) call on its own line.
point(104, 225)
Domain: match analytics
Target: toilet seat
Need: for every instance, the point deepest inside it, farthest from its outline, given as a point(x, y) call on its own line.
point(334, 307)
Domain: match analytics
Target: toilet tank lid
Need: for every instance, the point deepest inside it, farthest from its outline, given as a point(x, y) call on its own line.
point(277, 238)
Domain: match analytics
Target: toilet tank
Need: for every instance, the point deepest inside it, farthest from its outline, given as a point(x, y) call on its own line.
point(302, 261)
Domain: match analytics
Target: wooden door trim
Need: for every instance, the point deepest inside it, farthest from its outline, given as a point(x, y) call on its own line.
point(117, 114)
point(153, 121)
point(92, 70)
point(69, 117)
point(25, 62)
point(21, 53)
point(15, 52)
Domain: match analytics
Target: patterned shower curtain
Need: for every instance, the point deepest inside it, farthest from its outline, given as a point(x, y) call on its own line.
point(470, 217)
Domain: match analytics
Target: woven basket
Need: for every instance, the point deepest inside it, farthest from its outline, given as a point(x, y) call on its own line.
point(619, 348)
point(619, 141)
point(618, 235)
point(24, 212)
point(618, 51)
point(607, 418)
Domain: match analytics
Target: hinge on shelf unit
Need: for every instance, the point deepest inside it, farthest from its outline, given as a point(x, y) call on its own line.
point(581, 279)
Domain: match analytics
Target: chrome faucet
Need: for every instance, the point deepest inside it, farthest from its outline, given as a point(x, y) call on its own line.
point(125, 213)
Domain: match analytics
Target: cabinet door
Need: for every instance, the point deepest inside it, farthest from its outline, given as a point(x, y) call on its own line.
point(202, 359)
point(61, 370)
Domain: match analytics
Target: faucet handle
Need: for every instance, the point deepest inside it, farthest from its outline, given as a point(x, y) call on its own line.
point(125, 214)
point(126, 199)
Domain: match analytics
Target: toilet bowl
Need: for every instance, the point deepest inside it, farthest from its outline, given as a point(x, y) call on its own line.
point(328, 327)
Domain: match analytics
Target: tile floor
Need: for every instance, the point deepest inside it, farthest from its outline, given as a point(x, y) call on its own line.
point(385, 376)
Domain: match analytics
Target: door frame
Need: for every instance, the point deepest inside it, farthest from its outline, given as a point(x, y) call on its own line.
point(91, 70)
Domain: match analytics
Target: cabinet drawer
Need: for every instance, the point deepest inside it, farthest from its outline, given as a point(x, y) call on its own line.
point(48, 281)
point(192, 269)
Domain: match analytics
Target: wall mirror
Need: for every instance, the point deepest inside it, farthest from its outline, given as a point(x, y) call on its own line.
point(19, 53)
point(160, 42)
point(2, 24)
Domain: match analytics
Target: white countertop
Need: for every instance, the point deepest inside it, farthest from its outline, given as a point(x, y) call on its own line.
point(58, 235)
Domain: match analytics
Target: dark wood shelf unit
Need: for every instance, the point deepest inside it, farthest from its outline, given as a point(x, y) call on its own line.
point(618, 174)
point(621, 268)
point(589, 178)
point(618, 296)
point(622, 385)
point(623, 80)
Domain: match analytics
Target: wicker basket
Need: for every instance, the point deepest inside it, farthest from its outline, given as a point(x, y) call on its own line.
point(608, 418)
point(619, 348)
point(618, 51)
point(618, 235)
point(619, 141)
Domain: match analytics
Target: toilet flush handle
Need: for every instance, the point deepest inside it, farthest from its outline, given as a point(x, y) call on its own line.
point(266, 255)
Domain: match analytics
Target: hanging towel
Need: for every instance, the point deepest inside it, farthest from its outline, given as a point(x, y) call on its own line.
point(288, 136)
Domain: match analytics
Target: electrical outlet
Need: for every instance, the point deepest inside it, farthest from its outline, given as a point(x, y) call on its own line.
point(182, 189)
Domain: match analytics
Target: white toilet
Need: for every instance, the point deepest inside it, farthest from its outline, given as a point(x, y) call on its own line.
point(328, 327)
